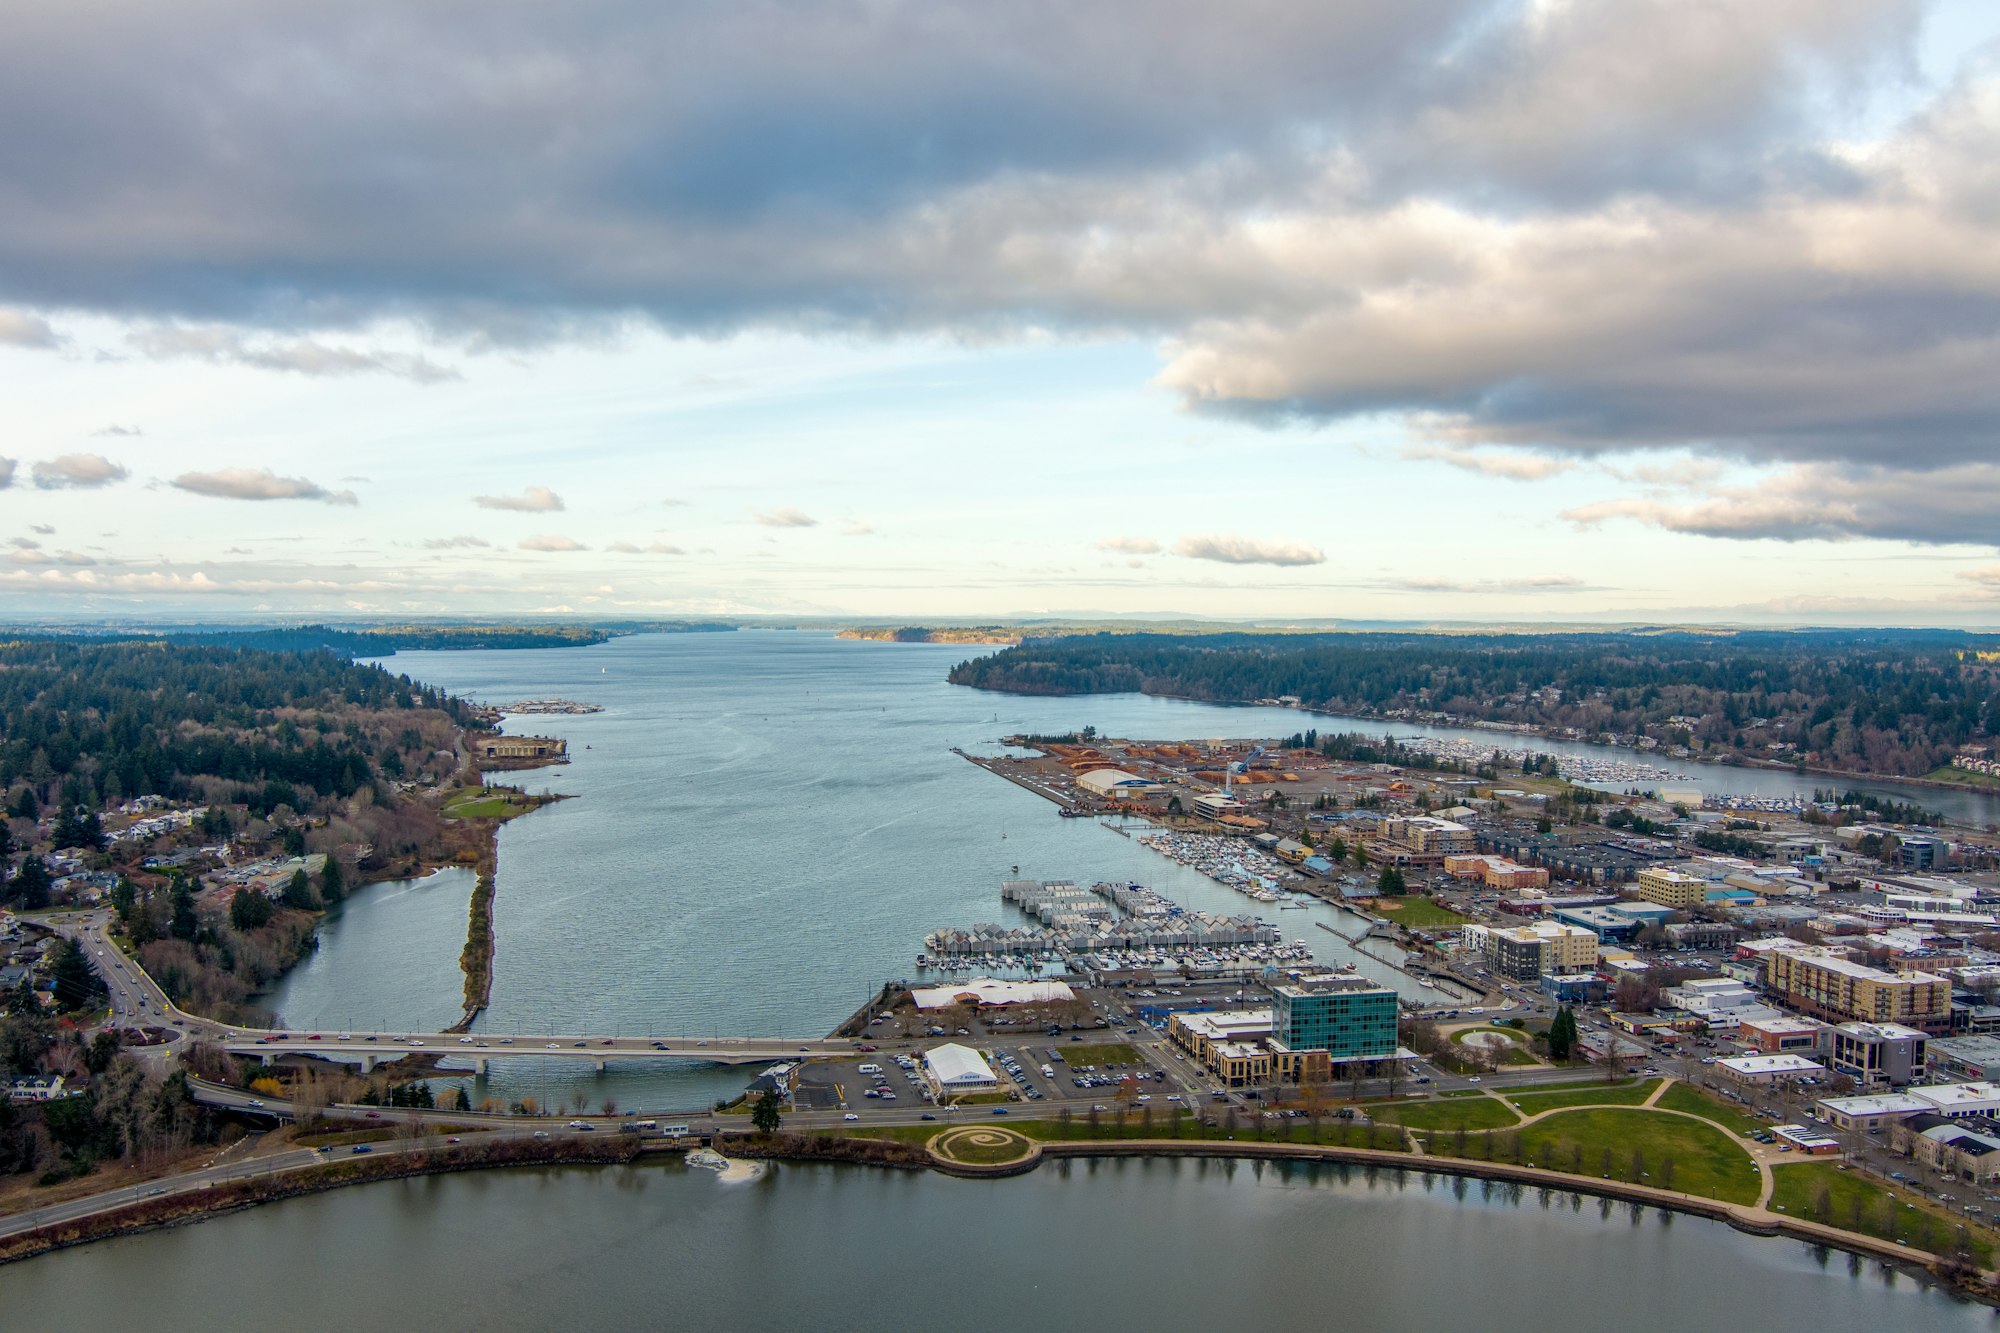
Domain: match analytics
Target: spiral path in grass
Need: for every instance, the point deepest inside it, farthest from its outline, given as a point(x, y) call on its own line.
point(982, 1145)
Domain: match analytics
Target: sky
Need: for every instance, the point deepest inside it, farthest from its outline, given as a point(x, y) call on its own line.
point(1434, 310)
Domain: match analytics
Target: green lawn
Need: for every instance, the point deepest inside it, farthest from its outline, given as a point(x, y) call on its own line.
point(1102, 1054)
point(1588, 1094)
point(1821, 1192)
point(1629, 1144)
point(1573, 1083)
point(486, 803)
point(1332, 1131)
point(1480, 1113)
point(1419, 913)
point(1961, 777)
point(1687, 1097)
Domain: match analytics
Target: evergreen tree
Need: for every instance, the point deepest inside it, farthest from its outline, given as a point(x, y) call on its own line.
point(124, 897)
point(1562, 1034)
point(332, 888)
point(249, 910)
point(184, 925)
point(765, 1114)
point(1390, 885)
point(30, 888)
point(298, 891)
point(24, 806)
point(76, 983)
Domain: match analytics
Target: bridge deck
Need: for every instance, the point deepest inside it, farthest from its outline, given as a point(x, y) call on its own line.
point(370, 1048)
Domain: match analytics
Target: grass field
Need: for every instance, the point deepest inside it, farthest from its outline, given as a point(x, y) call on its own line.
point(1564, 1087)
point(486, 803)
point(1334, 1132)
point(1687, 1097)
point(1619, 1143)
point(1961, 777)
point(1419, 913)
point(1821, 1192)
point(1102, 1054)
point(1471, 1113)
point(1589, 1094)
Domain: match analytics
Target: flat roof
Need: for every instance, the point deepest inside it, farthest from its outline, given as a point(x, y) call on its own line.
point(1959, 1095)
point(1771, 1064)
point(1884, 1103)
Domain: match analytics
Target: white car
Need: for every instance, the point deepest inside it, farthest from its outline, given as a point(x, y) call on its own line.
point(850, 1116)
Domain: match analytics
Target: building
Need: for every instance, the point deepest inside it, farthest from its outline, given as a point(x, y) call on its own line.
point(1215, 805)
point(1966, 1149)
point(1495, 872)
point(1722, 1003)
point(1529, 951)
point(1348, 1017)
point(1669, 888)
point(1764, 1070)
point(523, 747)
point(1701, 934)
point(1824, 984)
point(1972, 1059)
point(1785, 1035)
point(986, 992)
point(1113, 783)
point(952, 1070)
point(1575, 987)
point(1879, 1054)
point(36, 1088)
point(1951, 1101)
point(1419, 840)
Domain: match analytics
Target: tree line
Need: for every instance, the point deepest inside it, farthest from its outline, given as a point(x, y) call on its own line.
point(1878, 700)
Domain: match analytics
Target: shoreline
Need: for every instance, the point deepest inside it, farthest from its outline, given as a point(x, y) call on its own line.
point(1527, 731)
point(198, 1205)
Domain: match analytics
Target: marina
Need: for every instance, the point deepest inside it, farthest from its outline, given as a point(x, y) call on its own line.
point(1107, 928)
point(1251, 871)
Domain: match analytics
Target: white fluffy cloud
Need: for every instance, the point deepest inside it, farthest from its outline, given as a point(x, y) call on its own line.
point(303, 356)
point(77, 472)
point(534, 500)
point(242, 483)
point(24, 328)
point(1249, 551)
point(551, 542)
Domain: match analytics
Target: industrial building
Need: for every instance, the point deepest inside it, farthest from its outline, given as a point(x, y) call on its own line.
point(1113, 783)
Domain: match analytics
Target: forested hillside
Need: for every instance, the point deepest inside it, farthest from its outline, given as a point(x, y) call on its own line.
point(86, 724)
point(1873, 701)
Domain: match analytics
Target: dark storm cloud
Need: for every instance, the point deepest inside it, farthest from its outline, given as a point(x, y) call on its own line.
point(1567, 228)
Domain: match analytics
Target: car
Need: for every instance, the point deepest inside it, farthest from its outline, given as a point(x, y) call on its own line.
point(541, 1133)
point(553, 1046)
point(579, 1043)
point(373, 1115)
point(851, 1116)
point(928, 1116)
point(580, 1125)
point(361, 1148)
point(1474, 1078)
point(452, 1139)
point(256, 1101)
point(465, 1041)
point(606, 1042)
point(999, 1110)
point(1100, 1108)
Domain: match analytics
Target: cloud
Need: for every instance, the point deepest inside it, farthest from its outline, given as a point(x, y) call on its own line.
point(1248, 551)
point(242, 483)
point(858, 530)
point(1130, 545)
point(455, 543)
point(787, 517)
point(78, 472)
point(119, 430)
point(1832, 502)
point(1488, 463)
point(303, 356)
point(43, 529)
point(7, 468)
point(672, 502)
point(22, 328)
point(550, 542)
point(24, 543)
point(1531, 583)
point(534, 500)
point(651, 548)
point(1571, 228)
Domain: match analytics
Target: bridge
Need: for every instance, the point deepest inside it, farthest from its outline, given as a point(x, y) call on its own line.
point(372, 1048)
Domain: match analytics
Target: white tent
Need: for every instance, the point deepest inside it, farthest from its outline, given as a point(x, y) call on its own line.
point(954, 1068)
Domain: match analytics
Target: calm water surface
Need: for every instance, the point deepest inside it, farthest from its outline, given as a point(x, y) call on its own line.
point(1113, 1245)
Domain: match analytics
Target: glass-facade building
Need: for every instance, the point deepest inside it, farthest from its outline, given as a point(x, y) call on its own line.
point(1352, 1022)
